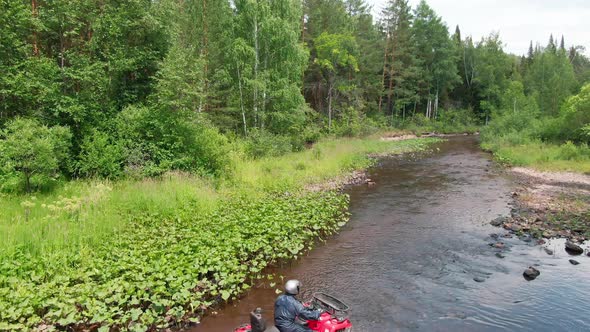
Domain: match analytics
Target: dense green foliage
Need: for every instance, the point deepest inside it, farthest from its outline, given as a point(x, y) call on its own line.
point(239, 100)
point(168, 269)
point(540, 120)
point(146, 87)
point(157, 253)
point(32, 153)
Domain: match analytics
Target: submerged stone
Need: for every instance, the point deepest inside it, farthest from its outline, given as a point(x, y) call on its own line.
point(574, 262)
point(573, 249)
point(498, 221)
point(531, 273)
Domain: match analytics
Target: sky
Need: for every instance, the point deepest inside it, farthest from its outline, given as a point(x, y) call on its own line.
point(517, 21)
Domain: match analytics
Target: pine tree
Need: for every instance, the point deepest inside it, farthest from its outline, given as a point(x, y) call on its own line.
point(457, 35)
point(562, 44)
point(551, 45)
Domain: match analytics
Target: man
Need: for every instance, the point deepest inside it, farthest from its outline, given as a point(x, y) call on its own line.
point(288, 309)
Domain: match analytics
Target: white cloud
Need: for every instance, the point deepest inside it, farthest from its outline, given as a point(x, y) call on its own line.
point(517, 21)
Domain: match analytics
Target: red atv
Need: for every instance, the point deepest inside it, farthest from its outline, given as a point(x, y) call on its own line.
point(334, 317)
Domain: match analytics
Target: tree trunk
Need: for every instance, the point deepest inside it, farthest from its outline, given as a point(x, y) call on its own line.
point(264, 94)
point(330, 105)
point(256, 60)
point(436, 106)
point(384, 69)
point(27, 182)
point(242, 102)
point(34, 6)
point(205, 53)
point(391, 73)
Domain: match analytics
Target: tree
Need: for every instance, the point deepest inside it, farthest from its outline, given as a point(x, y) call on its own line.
point(32, 149)
point(575, 117)
point(400, 71)
point(436, 57)
point(551, 78)
point(492, 73)
point(336, 56)
point(266, 63)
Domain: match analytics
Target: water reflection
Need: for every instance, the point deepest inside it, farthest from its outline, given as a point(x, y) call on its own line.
point(417, 239)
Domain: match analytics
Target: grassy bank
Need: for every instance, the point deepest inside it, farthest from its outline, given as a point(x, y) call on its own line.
point(158, 253)
point(542, 156)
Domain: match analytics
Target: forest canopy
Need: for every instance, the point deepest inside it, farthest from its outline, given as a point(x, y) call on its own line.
point(136, 88)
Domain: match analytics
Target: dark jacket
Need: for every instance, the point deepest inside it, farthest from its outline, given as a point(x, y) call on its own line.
point(287, 308)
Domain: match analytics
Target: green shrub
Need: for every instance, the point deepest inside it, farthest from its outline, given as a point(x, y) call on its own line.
point(306, 137)
point(354, 124)
point(29, 149)
point(570, 151)
point(260, 143)
point(100, 156)
point(155, 141)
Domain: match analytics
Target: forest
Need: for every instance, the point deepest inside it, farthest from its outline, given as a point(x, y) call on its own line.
point(139, 139)
point(136, 88)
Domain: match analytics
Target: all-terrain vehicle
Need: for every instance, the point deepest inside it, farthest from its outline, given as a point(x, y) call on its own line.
point(334, 317)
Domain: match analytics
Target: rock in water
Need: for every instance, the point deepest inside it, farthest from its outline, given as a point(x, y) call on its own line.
point(549, 251)
point(479, 279)
point(498, 221)
point(573, 249)
point(498, 245)
point(574, 262)
point(499, 255)
point(531, 273)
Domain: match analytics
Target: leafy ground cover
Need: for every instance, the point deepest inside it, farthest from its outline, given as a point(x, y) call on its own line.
point(158, 253)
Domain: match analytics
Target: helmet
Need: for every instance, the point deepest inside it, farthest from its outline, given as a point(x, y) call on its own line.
point(292, 287)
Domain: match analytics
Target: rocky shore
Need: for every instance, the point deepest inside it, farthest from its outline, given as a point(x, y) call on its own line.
point(549, 205)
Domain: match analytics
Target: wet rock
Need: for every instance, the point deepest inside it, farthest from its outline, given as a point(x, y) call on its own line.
point(500, 255)
point(574, 262)
point(479, 279)
point(370, 183)
point(573, 249)
point(549, 251)
point(526, 238)
point(516, 228)
point(498, 221)
point(541, 242)
point(588, 254)
point(498, 245)
point(507, 235)
point(494, 236)
point(531, 273)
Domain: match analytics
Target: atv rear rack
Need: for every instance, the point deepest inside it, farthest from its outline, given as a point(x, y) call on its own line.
point(331, 305)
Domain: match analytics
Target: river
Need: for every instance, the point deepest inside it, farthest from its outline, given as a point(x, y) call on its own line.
point(416, 240)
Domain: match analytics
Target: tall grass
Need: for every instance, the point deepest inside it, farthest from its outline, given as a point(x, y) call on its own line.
point(541, 155)
point(82, 214)
point(86, 213)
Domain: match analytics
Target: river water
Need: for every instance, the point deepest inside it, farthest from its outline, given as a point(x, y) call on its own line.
point(416, 240)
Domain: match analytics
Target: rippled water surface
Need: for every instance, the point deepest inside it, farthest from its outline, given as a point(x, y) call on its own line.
point(415, 242)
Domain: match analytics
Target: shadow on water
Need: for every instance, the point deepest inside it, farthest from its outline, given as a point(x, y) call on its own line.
point(416, 241)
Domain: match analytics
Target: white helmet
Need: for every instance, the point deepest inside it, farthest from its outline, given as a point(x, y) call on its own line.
point(292, 287)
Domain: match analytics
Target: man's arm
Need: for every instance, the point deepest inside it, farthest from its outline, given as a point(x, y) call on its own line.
point(305, 313)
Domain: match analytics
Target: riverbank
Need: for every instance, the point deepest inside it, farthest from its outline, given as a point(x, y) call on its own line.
point(159, 253)
point(549, 205)
point(544, 157)
point(414, 247)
